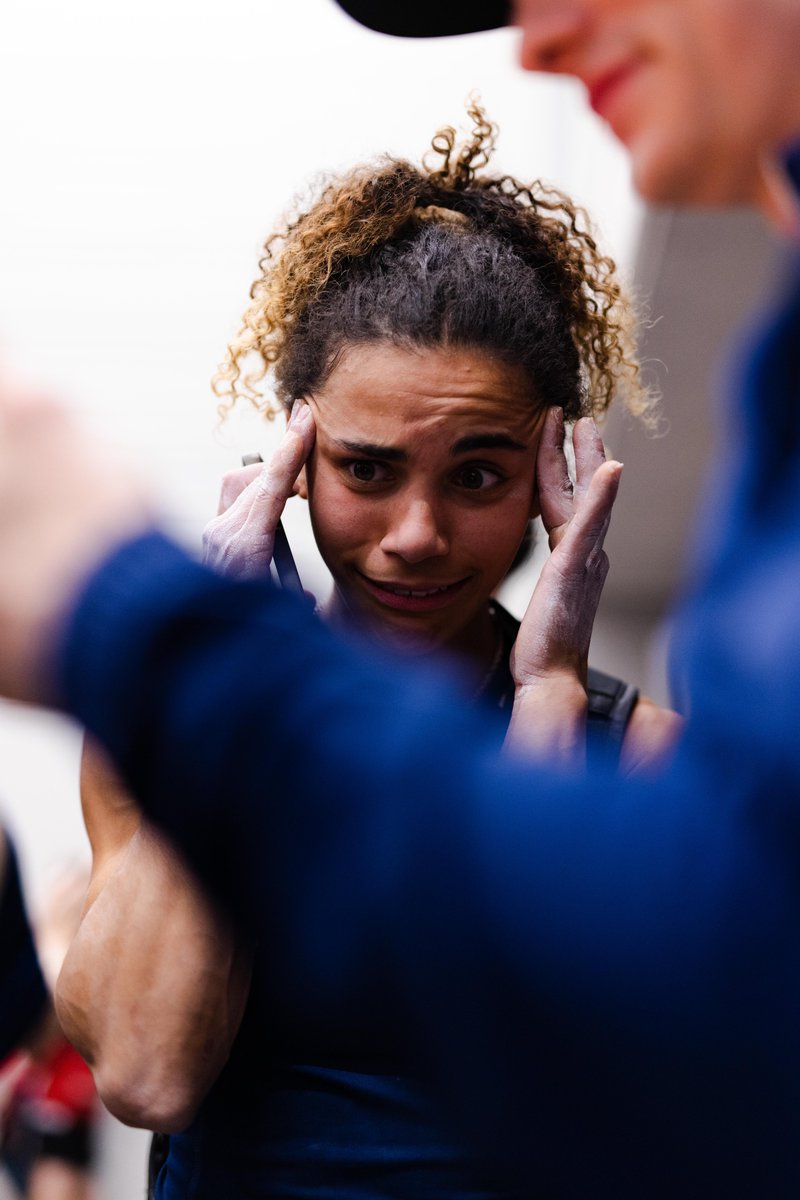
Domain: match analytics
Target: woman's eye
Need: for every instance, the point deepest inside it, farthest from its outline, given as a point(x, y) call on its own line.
point(366, 471)
point(476, 479)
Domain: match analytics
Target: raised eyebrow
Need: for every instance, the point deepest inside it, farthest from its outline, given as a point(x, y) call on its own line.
point(486, 441)
point(372, 450)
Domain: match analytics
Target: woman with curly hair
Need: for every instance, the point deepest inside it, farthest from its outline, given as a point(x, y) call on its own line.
point(435, 328)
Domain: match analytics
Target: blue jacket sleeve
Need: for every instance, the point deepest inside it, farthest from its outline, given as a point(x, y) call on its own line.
point(603, 975)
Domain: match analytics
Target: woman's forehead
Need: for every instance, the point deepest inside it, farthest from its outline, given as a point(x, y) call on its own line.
point(383, 385)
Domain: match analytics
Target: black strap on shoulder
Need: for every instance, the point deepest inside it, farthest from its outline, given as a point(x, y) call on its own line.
point(611, 700)
point(611, 703)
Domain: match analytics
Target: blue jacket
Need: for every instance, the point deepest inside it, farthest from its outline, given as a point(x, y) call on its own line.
point(603, 975)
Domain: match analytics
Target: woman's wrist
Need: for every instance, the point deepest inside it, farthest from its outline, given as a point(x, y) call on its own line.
point(549, 718)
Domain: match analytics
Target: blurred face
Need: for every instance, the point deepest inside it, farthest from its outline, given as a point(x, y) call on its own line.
point(702, 92)
point(421, 485)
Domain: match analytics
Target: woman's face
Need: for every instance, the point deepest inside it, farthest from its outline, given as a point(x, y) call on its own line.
point(421, 485)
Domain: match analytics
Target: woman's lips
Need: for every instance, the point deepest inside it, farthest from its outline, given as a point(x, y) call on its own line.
point(419, 597)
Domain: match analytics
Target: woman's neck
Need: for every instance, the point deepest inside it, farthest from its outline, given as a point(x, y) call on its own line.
point(475, 645)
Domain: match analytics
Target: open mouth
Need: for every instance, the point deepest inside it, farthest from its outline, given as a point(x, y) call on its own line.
point(406, 598)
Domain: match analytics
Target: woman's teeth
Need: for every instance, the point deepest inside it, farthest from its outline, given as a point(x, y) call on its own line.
point(396, 591)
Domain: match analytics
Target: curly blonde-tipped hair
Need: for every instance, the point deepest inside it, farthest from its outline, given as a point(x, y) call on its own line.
point(433, 255)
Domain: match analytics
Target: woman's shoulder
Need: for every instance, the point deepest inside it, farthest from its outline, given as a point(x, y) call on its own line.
point(651, 736)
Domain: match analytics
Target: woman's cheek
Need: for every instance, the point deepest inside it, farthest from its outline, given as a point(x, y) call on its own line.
point(339, 517)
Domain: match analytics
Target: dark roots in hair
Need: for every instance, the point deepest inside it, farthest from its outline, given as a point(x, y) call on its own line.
point(438, 255)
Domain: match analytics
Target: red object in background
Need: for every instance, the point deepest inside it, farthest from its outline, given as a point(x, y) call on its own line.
point(50, 1111)
point(57, 1092)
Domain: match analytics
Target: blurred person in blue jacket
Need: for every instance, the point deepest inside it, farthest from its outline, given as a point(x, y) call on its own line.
point(602, 975)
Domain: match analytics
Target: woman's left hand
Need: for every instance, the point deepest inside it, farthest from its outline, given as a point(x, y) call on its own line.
point(240, 540)
point(549, 661)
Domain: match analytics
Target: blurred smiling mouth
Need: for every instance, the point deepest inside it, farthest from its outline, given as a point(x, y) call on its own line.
point(603, 89)
point(412, 599)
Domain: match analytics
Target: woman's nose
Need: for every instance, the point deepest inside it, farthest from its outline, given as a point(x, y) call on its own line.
point(415, 533)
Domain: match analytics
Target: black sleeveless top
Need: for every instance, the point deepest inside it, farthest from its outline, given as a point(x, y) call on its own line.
point(294, 1117)
point(611, 700)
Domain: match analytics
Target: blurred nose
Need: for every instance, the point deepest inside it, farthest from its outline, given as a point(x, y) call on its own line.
point(550, 32)
point(415, 532)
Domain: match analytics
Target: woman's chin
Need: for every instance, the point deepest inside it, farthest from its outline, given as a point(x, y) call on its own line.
point(407, 642)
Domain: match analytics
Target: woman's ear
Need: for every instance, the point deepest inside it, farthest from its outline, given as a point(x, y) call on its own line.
point(301, 484)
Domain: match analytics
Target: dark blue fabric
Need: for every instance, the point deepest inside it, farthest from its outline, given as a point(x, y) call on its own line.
point(318, 1130)
point(603, 974)
point(23, 995)
point(293, 1119)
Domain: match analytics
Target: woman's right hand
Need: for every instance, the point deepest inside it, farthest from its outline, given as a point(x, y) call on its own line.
point(240, 540)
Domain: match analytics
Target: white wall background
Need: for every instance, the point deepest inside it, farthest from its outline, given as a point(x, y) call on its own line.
point(146, 149)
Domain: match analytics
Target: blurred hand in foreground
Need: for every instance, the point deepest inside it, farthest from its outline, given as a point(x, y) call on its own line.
point(65, 502)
